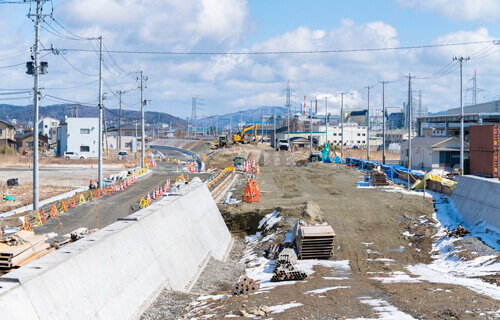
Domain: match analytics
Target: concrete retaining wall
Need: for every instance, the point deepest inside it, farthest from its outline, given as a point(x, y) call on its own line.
point(478, 200)
point(113, 272)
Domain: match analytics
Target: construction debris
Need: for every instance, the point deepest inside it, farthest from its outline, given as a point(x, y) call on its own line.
point(284, 268)
point(20, 247)
point(313, 241)
point(379, 178)
point(458, 232)
point(245, 286)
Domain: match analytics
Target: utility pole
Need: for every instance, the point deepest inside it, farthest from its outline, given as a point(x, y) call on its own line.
point(326, 120)
point(462, 135)
point(36, 71)
point(274, 137)
point(311, 126)
point(262, 126)
point(342, 124)
point(100, 114)
point(368, 127)
point(409, 129)
point(120, 123)
point(383, 120)
point(143, 128)
point(288, 105)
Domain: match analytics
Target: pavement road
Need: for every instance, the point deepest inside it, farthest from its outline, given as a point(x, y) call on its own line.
point(118, 205)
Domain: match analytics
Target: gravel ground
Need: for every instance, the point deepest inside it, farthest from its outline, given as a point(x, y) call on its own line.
point(217, 278)
point(476, 245)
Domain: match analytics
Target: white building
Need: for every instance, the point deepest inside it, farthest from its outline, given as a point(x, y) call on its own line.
point(128, 138)
point(429, 153)
point(47, 126)
point(80, 135)
point(354, 135)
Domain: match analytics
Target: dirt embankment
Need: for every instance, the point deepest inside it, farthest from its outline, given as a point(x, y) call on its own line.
point(379, 231)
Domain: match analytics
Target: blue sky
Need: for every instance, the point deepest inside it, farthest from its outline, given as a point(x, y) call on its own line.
point(229, 83)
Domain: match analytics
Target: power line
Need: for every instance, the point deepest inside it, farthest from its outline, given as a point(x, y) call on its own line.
point(290, 52)
point(90, 75)
point(60, 25)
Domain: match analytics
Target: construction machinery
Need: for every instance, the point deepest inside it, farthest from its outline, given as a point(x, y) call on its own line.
point(246, 135)
point(221, 141)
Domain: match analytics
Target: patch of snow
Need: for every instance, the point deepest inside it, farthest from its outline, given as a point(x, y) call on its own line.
point(397, 276)
point(406, 233)
point(384, 259)
point(307, 265)
point(325, 289)
point(269, 220)
point(367, 243)
point(282, 307)
point(385, 310)
point(335, 278)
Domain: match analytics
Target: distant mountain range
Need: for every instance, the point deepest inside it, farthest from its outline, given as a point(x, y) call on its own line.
point(25, 114)
point(245, 116)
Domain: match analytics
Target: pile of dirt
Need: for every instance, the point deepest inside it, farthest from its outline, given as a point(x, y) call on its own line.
point(312, 212)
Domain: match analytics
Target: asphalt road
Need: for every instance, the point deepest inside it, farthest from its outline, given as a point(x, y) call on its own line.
point(114, 206)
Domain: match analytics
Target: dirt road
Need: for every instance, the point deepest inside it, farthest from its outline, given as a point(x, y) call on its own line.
point(383, 266)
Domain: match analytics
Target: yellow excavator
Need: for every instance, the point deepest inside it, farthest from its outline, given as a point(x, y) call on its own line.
point(246, 135)
point(221, 141)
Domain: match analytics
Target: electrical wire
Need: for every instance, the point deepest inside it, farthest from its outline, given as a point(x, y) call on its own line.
point(291, 52)
point(88, 104)
point(79, 86)
point(74, 35)
point(90, 75)
point(13, 93)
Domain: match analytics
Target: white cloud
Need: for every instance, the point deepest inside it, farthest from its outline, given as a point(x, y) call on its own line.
point(477, 10)
point(179, 24)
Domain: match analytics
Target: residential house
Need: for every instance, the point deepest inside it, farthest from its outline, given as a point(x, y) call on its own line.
point(80, 135)
point(127, 140)
point(48, 127)
point(7, 134)
point(24, 142)
point(429, 153)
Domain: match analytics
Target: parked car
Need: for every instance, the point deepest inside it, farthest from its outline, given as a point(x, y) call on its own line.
point(73, 155)
point(122, 155)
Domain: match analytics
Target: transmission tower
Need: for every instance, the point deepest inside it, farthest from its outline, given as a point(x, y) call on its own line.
point(474, 89)
point(193, 115)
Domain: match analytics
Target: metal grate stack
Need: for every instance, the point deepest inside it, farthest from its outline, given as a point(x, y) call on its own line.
point(314, 241)
point(284, 268)
point(379, 178)
point(245, 286)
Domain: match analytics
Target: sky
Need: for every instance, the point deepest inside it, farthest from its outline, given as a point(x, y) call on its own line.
point(232, 82)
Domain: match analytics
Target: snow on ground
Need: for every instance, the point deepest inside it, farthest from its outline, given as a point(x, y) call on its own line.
point(282, 307)
point(385, 310)
point(447, 266)
point(269, 220)
point(449, 218)
point(325, 289)
point(396, 276)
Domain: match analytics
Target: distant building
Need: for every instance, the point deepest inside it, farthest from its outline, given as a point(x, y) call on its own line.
point(396, 120)
point(358, 116)
point(433, 153)
point(80, 135)
point(128, 138)
point(7, 132)
point(24, 142)
point(393, 136)
point(354, 135)
point(48, 127)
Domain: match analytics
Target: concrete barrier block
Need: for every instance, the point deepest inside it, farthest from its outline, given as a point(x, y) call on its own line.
point(113, 272)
